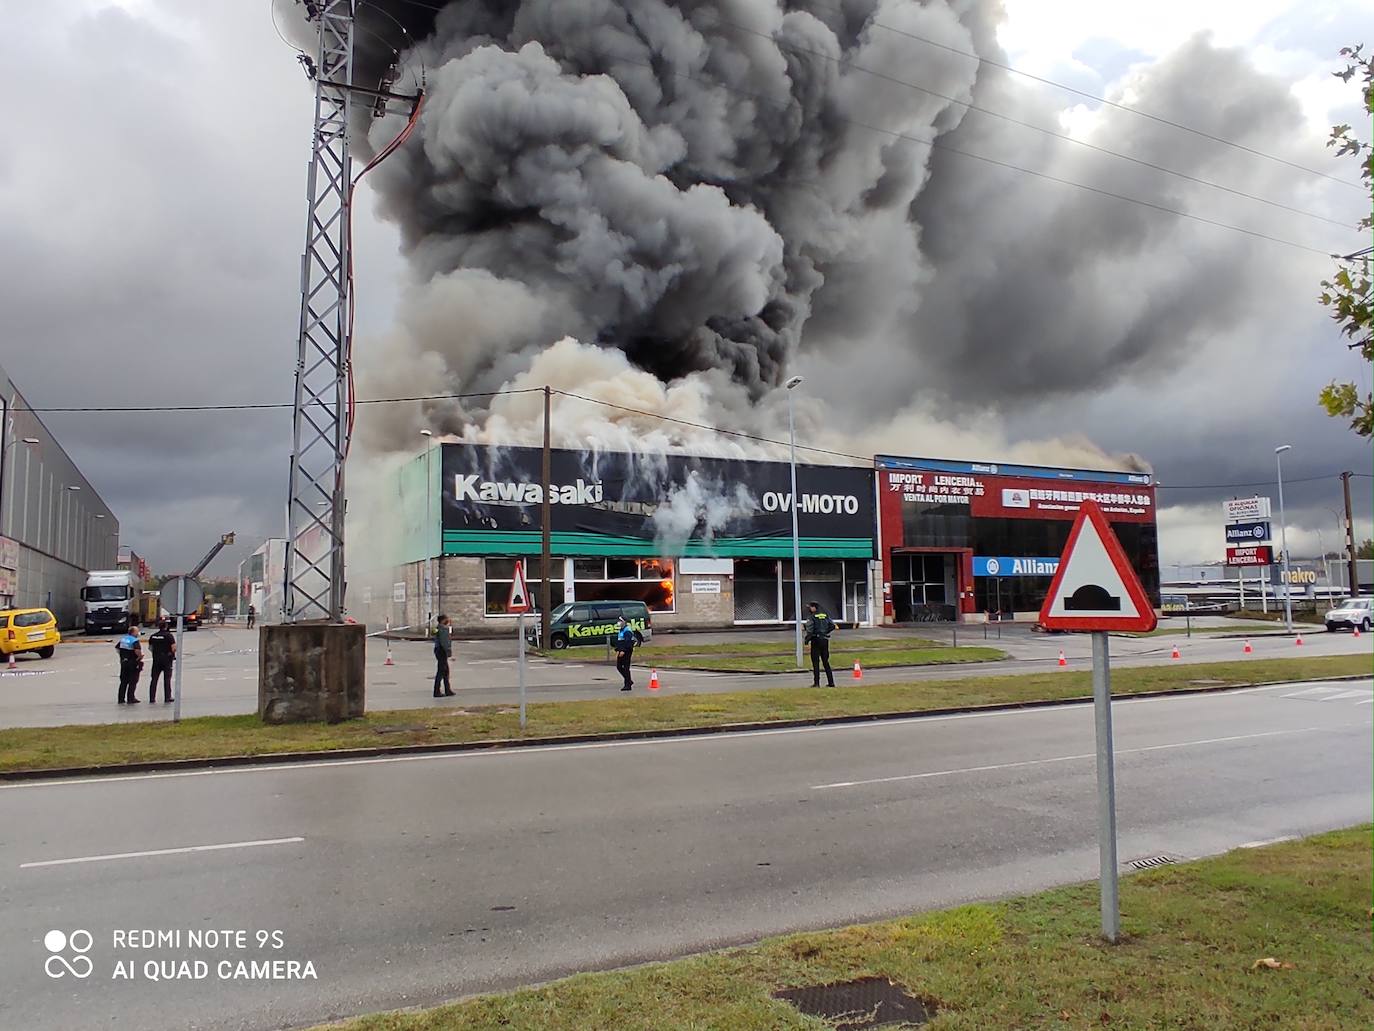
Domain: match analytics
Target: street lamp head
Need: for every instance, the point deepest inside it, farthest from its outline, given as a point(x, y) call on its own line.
point(100, 515)
point(29, 440)
point(1282, 448)
point(793, 383)
point(426, 433)
point(73, 488)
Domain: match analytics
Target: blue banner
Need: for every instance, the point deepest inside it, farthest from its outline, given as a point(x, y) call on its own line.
point(984, 565)
point(1247, 533)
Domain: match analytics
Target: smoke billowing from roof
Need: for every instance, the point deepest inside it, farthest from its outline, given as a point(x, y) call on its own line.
point(714, 193)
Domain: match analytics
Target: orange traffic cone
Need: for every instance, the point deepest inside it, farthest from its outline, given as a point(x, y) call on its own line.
point(1298, 642)
point(1357, 629)
point(1247, 649)
point(12, 664)
point(858, 672)
point(1062, 661)
point(653, 680)
point(1176, 654)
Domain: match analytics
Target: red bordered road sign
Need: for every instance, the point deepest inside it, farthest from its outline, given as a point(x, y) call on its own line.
point(1095, 587)
point(519, 600)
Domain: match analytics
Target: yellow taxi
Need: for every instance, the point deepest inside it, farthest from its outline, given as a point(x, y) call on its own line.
point(29, 630)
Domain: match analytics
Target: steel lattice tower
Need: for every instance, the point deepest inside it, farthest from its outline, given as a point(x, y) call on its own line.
point(315, 509)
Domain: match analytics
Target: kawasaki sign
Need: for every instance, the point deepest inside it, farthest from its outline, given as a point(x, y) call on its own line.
point(653, 505)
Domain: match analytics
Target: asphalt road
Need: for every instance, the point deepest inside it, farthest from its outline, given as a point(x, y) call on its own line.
point(410, 880)
point(220, 675)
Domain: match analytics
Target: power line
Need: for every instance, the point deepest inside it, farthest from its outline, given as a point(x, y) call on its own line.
point(866, 459)
point(845, 63)
point(1254, 483)
point(937, 144)
point(275, 406)
point(1096, 99)
point(1048, 82)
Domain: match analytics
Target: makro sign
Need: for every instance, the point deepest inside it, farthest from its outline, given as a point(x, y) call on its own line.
point(1247, 533)
point(1246, 509)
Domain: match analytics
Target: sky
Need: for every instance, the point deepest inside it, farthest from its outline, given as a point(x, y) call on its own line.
point(152, 213)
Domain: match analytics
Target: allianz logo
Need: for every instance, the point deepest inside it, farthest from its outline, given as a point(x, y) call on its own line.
point(512, 492)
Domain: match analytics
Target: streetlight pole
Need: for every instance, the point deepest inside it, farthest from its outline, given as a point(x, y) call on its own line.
point(1283, 540)
point(429, 556)
point(792, 385)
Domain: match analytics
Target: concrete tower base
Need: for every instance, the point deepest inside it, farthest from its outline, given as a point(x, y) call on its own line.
point(311, 672)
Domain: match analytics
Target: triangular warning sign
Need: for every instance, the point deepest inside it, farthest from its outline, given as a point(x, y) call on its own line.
point(1095, 587)
point(519, 600)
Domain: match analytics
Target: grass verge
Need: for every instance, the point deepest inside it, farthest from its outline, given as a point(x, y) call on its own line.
point(780, 656)
point(46, 748)
point(1193, 936)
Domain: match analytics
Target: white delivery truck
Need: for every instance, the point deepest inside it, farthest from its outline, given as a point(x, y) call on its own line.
point(112, 598)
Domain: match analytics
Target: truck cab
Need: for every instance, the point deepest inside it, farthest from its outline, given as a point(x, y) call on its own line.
point(112, 598)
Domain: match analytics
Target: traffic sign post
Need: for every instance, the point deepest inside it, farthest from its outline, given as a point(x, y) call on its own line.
point(182, 595)
point(1096, 590)
point(519, 603)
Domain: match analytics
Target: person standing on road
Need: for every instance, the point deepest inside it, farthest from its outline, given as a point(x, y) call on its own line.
point(443, 651)
point(252, 616)
point(130, 650)
point(626, 637)
point(163, 646)
point(818, 629)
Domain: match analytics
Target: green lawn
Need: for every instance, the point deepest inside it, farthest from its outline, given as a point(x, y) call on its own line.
point(101, 745)
point(780, 656)
point(1193, 936)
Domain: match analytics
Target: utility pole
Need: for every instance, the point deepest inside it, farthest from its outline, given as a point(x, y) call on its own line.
point(546, 525)
point(1350, 537)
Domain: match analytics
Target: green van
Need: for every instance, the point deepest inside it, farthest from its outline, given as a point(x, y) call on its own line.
point(593, 622)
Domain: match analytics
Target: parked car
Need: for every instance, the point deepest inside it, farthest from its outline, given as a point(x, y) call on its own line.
point(1351, 613)
point(29, 630)
point(592, 622)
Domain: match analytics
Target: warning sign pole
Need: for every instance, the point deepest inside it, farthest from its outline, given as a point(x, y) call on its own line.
point(1096, 590)
point(519, 603)
point(1106, 788)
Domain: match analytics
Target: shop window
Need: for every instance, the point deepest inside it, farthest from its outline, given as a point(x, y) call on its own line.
point(500, 573)
point(648, 580)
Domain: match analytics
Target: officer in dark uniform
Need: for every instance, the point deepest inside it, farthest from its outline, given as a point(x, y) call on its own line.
point(626, 637)
point(163, 645)
point(818, 629)
point(130, 650)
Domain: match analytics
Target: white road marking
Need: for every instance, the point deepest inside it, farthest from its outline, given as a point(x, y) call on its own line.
point(162, 852)
point(1058, 759)
point(1344, 695)
point(1266, 841)
point(1366, 701)
point(1311, 691)
point(490, 753)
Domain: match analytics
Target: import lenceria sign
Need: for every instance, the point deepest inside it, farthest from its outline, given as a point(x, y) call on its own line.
point(655, 505)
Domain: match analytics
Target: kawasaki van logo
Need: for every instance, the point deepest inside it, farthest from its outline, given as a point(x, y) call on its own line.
point(580, 630)
point(509, 492)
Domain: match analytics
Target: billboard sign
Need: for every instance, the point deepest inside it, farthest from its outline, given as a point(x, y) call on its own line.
point(1247, 533)
point(1250, 555)
point(1246, 509)
point(652, 505)
point(1014, 492)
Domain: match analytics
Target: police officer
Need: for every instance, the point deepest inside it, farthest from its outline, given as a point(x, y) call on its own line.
point(130, 650)
point(443, 651)
point(252, 616)
point(818, 629)
point(626, 637)
point(163, 645)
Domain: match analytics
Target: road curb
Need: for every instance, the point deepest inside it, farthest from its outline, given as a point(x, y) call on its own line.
point(505, 744)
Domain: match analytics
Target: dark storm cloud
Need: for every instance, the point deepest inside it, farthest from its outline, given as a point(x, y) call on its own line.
point(150, 238)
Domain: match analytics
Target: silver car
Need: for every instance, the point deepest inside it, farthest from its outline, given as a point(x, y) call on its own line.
point(1351, 613)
